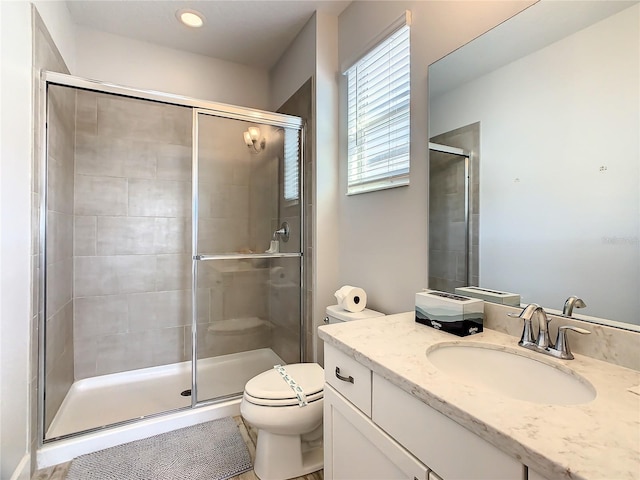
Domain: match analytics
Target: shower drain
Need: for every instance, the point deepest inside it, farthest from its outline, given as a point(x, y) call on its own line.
point(186, 393)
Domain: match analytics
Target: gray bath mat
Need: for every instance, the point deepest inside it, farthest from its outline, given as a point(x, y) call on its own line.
point(208, 451)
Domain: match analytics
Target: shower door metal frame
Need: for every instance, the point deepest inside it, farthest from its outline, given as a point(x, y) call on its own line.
point(459, 152)
point(285, 121)
point(47, 78)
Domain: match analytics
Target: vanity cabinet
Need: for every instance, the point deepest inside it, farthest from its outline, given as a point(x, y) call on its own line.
point(393, 435)
point(445, 446)
point(356, 449)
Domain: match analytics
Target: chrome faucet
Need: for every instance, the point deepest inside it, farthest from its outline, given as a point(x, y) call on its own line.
point(526, 339)
point(543, 343)
point(570, 303)
point(544, 340)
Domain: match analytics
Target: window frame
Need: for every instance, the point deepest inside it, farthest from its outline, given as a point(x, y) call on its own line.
point(388, 152)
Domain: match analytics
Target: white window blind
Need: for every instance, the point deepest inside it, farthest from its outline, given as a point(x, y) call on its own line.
point(291, 162)
point(378, 116)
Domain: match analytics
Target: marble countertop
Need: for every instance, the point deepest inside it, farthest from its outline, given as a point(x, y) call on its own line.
point(592, 441)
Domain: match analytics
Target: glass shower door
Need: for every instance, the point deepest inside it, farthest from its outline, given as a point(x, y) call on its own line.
point(449, 218)
point(246, 250)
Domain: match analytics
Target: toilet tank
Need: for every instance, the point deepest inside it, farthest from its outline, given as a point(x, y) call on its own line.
point(336, 314)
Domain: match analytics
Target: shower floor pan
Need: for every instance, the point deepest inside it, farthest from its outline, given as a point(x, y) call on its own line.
point(109, 399)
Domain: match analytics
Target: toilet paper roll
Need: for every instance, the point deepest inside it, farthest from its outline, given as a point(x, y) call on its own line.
point(351, 299)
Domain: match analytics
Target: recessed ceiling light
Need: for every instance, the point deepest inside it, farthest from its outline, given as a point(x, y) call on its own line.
point(191, 18)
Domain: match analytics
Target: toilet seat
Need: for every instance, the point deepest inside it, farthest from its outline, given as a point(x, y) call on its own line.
point(270, 390)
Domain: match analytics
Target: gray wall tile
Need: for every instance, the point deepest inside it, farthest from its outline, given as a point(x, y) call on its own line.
point(176, 125)
point(59, 381)
point(174, 272)
point(100, 316)
point(95, 276)
point(59, 237)
point(60, 190)
point(59, 335)
point(85, 357)
point(171, 235)
point(123, 352)
point(100, 195)
point(86, 112)
point(121, 118)
point(174, 162)
point(84, 235)
point(59, 285)
point(161, 198)
point(223, 235)
point(125, 235)
point(168, 346)
point(136, 273)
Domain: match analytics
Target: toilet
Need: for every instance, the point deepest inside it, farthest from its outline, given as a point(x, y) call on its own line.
point(289, 432)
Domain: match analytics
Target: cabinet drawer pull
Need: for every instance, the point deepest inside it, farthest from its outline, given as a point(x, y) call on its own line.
point(344, 379)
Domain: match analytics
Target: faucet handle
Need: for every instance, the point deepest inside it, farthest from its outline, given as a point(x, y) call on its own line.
point(562, 342)
point(526, 340)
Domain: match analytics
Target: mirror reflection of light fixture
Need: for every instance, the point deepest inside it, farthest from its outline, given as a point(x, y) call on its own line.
point(252, 139)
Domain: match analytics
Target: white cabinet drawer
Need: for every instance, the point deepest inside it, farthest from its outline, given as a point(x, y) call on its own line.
point(348, 377)
point(356, 449)
point(437, 441)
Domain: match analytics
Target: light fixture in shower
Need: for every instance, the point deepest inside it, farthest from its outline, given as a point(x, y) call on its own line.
point(253, 140)
point(190, 18)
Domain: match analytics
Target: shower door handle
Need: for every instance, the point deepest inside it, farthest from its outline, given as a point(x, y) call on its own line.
point(348, 379)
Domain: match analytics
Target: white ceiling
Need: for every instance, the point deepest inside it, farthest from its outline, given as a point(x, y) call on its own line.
point(253, 33)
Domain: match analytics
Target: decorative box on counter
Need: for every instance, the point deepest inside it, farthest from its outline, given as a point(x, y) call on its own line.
point(493, 296)
point(450, 313)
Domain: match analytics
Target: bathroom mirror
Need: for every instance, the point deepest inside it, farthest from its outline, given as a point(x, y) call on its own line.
point(556, 93)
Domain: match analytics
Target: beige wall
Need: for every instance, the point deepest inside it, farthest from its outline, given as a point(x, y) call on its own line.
point(134, 63)
point(383, 235)
point(15, 224)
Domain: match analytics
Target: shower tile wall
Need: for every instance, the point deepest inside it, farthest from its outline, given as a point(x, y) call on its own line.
point(446, 222)
point(132, 234)
point(59, 372)
point(446, 211)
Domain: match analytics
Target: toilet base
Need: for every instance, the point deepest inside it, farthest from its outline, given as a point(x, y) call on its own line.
point(280, 457)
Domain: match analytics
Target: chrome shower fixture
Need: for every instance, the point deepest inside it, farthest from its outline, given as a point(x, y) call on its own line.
point(252, 139)
point(283, 232)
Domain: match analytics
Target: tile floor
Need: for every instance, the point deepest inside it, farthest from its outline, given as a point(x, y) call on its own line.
point(249, 434)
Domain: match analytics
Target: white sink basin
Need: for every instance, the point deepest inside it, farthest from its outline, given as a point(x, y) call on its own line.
point(509, 373)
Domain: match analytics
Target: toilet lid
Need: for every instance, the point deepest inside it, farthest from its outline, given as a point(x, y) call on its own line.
point(270, 385)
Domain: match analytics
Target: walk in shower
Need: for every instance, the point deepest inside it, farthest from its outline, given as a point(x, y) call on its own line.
point(171, 253)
